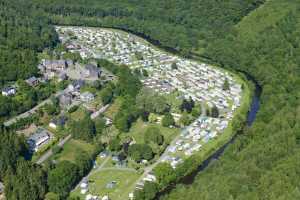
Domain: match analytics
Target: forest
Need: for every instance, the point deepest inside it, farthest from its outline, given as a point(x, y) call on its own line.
point(182, 25)
point(23, 34)
point(259, 37)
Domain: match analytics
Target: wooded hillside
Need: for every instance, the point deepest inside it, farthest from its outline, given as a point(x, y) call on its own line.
point(263, 40)
point(263, 163)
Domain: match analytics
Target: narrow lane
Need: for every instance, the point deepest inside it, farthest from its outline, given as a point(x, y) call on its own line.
point(49, 153)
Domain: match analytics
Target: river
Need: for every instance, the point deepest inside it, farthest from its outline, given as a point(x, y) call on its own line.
point(189, 179)
point(255, 105)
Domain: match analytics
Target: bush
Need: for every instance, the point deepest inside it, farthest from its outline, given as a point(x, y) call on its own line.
point(56, 149)
point(73, 109)
point(139, 152)
point(154, 135)
point(168, 120)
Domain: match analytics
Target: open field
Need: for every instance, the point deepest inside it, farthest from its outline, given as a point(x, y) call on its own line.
point(113, 109)
point(125, 183)
point(78, 114)
point(70, 149)
point(139, 128)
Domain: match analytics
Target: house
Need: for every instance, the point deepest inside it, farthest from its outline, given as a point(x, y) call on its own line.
point(69, 62)
point(84, 186)
point(62, 76)
point(59, 122)
point(108, 121)
point(115, 158)
point(91, 197)
point(87, 97)
point(131, 196)
point(105, 197)
point(9, 91)
point(65, 100)
point(76, 85)
point(92, 71)
point(32, 81)
point(55, 65)
point(38, 139)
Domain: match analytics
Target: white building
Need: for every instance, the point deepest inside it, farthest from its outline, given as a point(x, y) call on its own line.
point(87, 97)
point(9, 91)
point(38, 139)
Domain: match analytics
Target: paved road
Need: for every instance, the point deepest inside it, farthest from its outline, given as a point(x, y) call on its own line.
point(126, 169)
point(148, 169)
point(31, 111)
point(49, 153)
point(100, 111)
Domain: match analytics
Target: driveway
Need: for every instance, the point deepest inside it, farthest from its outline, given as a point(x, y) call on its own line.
point(49, 153)
point(33, 110)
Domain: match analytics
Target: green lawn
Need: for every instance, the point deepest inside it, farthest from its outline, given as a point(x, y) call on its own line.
point(113, 109)
point(78, 114)
point(125, 184)
point(174, 101)
point(138, 129)
point(71, 147)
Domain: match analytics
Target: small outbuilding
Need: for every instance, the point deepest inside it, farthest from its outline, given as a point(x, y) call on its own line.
point(32, 81)
point(9, 91)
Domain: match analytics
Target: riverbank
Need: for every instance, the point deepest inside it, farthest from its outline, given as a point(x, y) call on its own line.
point(190, 177)
point(235, 102)
point(244, 116)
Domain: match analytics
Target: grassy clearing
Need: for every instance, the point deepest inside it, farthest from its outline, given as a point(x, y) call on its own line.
point(125, 184)
point(173, 100)
point(79, 114)
point(139, 128)
point(113, 109)
point(70, 149)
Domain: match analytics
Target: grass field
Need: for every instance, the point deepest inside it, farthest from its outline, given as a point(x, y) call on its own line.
point(139, 128)
point(113, 109)
point(70, 149)
point(174, 101)
point(78, 114)
point(125, 183)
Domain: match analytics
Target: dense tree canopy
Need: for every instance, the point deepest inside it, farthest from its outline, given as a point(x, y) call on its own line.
point(62, 178)
point(11, 149)
point(263, 163)
point(26, 182)
point(153, 135)
point(184, 25)
point(22, 34)
point(139, 152)
point(84, 129)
